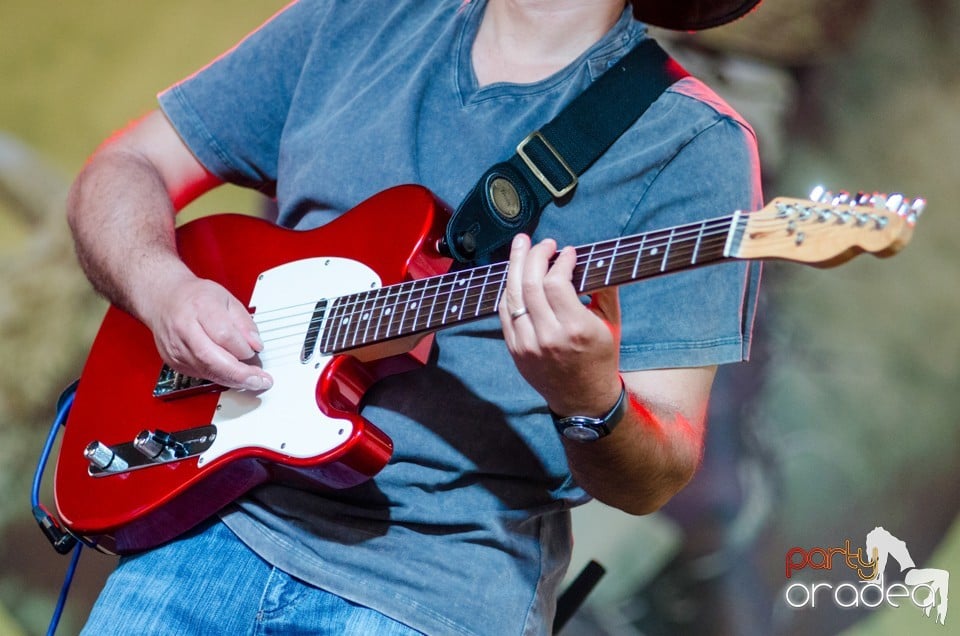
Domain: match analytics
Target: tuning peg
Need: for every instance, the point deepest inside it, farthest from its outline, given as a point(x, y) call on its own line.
point(821, 195)
point(916, 209)
point(878, 200)
point(894, 201)
point(842, 198)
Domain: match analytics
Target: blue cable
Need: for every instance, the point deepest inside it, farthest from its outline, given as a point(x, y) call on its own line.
point(64, 590)
point(62, 541)
point(63, 408)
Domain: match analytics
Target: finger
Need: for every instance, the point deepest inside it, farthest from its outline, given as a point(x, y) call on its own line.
point(536, 267)
point(246, 327)
point(230, 329)
point(192, 352)
point(512, 298)
point(222, 367)
point(559, 289)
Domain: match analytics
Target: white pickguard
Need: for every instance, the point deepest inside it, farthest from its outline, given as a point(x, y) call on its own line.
point(286, 418)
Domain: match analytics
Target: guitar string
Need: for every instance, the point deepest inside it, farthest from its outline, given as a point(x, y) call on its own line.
point(615, 249)
point(754, 219)
point(613, 273)
point(676, 237)
point(675, 242)
point(620, 252)
point(688, 230)
point(625, 249)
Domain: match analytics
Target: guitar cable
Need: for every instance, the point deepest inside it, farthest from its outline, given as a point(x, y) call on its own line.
point(61, 540)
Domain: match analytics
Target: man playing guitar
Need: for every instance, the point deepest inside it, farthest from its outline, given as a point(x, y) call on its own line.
point(466, 529)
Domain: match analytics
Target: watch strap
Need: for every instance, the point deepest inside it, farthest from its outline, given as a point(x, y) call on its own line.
point(582, 428)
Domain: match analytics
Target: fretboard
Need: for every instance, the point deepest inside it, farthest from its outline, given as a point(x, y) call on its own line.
point(428, 304)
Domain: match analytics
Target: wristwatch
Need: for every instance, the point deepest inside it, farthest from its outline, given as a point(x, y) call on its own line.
point(581, 428)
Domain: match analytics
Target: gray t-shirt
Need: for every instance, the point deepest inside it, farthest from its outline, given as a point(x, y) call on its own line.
point(466, 531)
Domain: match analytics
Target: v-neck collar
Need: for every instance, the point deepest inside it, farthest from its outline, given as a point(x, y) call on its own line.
point(624, 34)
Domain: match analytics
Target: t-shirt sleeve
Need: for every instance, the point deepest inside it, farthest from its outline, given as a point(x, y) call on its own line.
point(231, 113)
point(703, 316)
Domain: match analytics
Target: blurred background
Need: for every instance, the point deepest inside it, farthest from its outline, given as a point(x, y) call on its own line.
point(844, 420)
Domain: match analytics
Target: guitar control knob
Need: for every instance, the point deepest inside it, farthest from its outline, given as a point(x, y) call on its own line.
point(103, 457)
point(159, 446)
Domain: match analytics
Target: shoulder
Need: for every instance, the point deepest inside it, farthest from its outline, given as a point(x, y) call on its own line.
point(703, 97)
point(692, 109)
point(701, 132)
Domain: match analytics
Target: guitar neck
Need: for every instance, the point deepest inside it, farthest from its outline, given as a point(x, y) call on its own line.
point(429, 304)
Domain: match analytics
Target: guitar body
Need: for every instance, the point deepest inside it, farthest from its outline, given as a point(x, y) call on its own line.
point(305, 430)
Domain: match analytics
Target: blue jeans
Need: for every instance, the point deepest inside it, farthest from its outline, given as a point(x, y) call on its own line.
point(208, 582)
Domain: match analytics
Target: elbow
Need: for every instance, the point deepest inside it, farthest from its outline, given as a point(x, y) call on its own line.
point(653, 495)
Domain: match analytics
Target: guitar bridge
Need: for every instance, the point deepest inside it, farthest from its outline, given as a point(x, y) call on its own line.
point(173, 384)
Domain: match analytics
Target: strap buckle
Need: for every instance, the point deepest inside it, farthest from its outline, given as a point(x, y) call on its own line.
point(557, 192)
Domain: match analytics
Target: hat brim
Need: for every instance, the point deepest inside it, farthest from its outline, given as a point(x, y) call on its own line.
point(691, 15)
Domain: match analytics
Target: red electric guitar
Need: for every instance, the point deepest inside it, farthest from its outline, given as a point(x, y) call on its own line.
point(148, 453)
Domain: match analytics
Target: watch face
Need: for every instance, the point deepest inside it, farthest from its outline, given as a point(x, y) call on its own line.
point(580, 433)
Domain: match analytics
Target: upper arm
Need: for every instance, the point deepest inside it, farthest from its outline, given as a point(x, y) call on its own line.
point(154, 140)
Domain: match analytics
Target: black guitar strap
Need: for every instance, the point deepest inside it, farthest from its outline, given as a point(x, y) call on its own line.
point(511, 195)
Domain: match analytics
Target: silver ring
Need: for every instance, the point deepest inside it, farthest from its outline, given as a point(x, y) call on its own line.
point(516, 313)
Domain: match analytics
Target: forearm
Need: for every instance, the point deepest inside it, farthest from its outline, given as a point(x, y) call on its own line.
point(648, 458)
point(122, 220)
point(121, 210)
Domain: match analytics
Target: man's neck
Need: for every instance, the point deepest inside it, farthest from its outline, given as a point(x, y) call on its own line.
point(523, 41)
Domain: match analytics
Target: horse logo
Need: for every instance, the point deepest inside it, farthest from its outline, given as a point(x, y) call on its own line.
point(881, 546)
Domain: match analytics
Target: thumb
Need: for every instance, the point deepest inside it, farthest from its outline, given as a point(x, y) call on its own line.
point(606, 304)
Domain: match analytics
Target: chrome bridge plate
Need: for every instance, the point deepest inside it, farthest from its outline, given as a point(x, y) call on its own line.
point(135, 454)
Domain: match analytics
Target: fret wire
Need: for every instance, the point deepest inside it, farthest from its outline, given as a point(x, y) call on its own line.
point(418, 303)
point(613, 260)
point(421, 303)
point(433, 303)
point(338, 325)
point(376, 313)
point(408, 304)
point(393, 309)
point(586, 266)
point(696, 248)
point(364, 318)
point(639, 258)
point(450, 304)
point(500, 286)
point(466, 291)
point(356, 318)
point(334, 322)
point(483, 290)
point(666, 252)
point(449, 298)
point(383, 306)
point(343, 330)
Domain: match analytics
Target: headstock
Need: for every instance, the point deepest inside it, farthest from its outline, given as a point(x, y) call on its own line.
point(829, 229)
